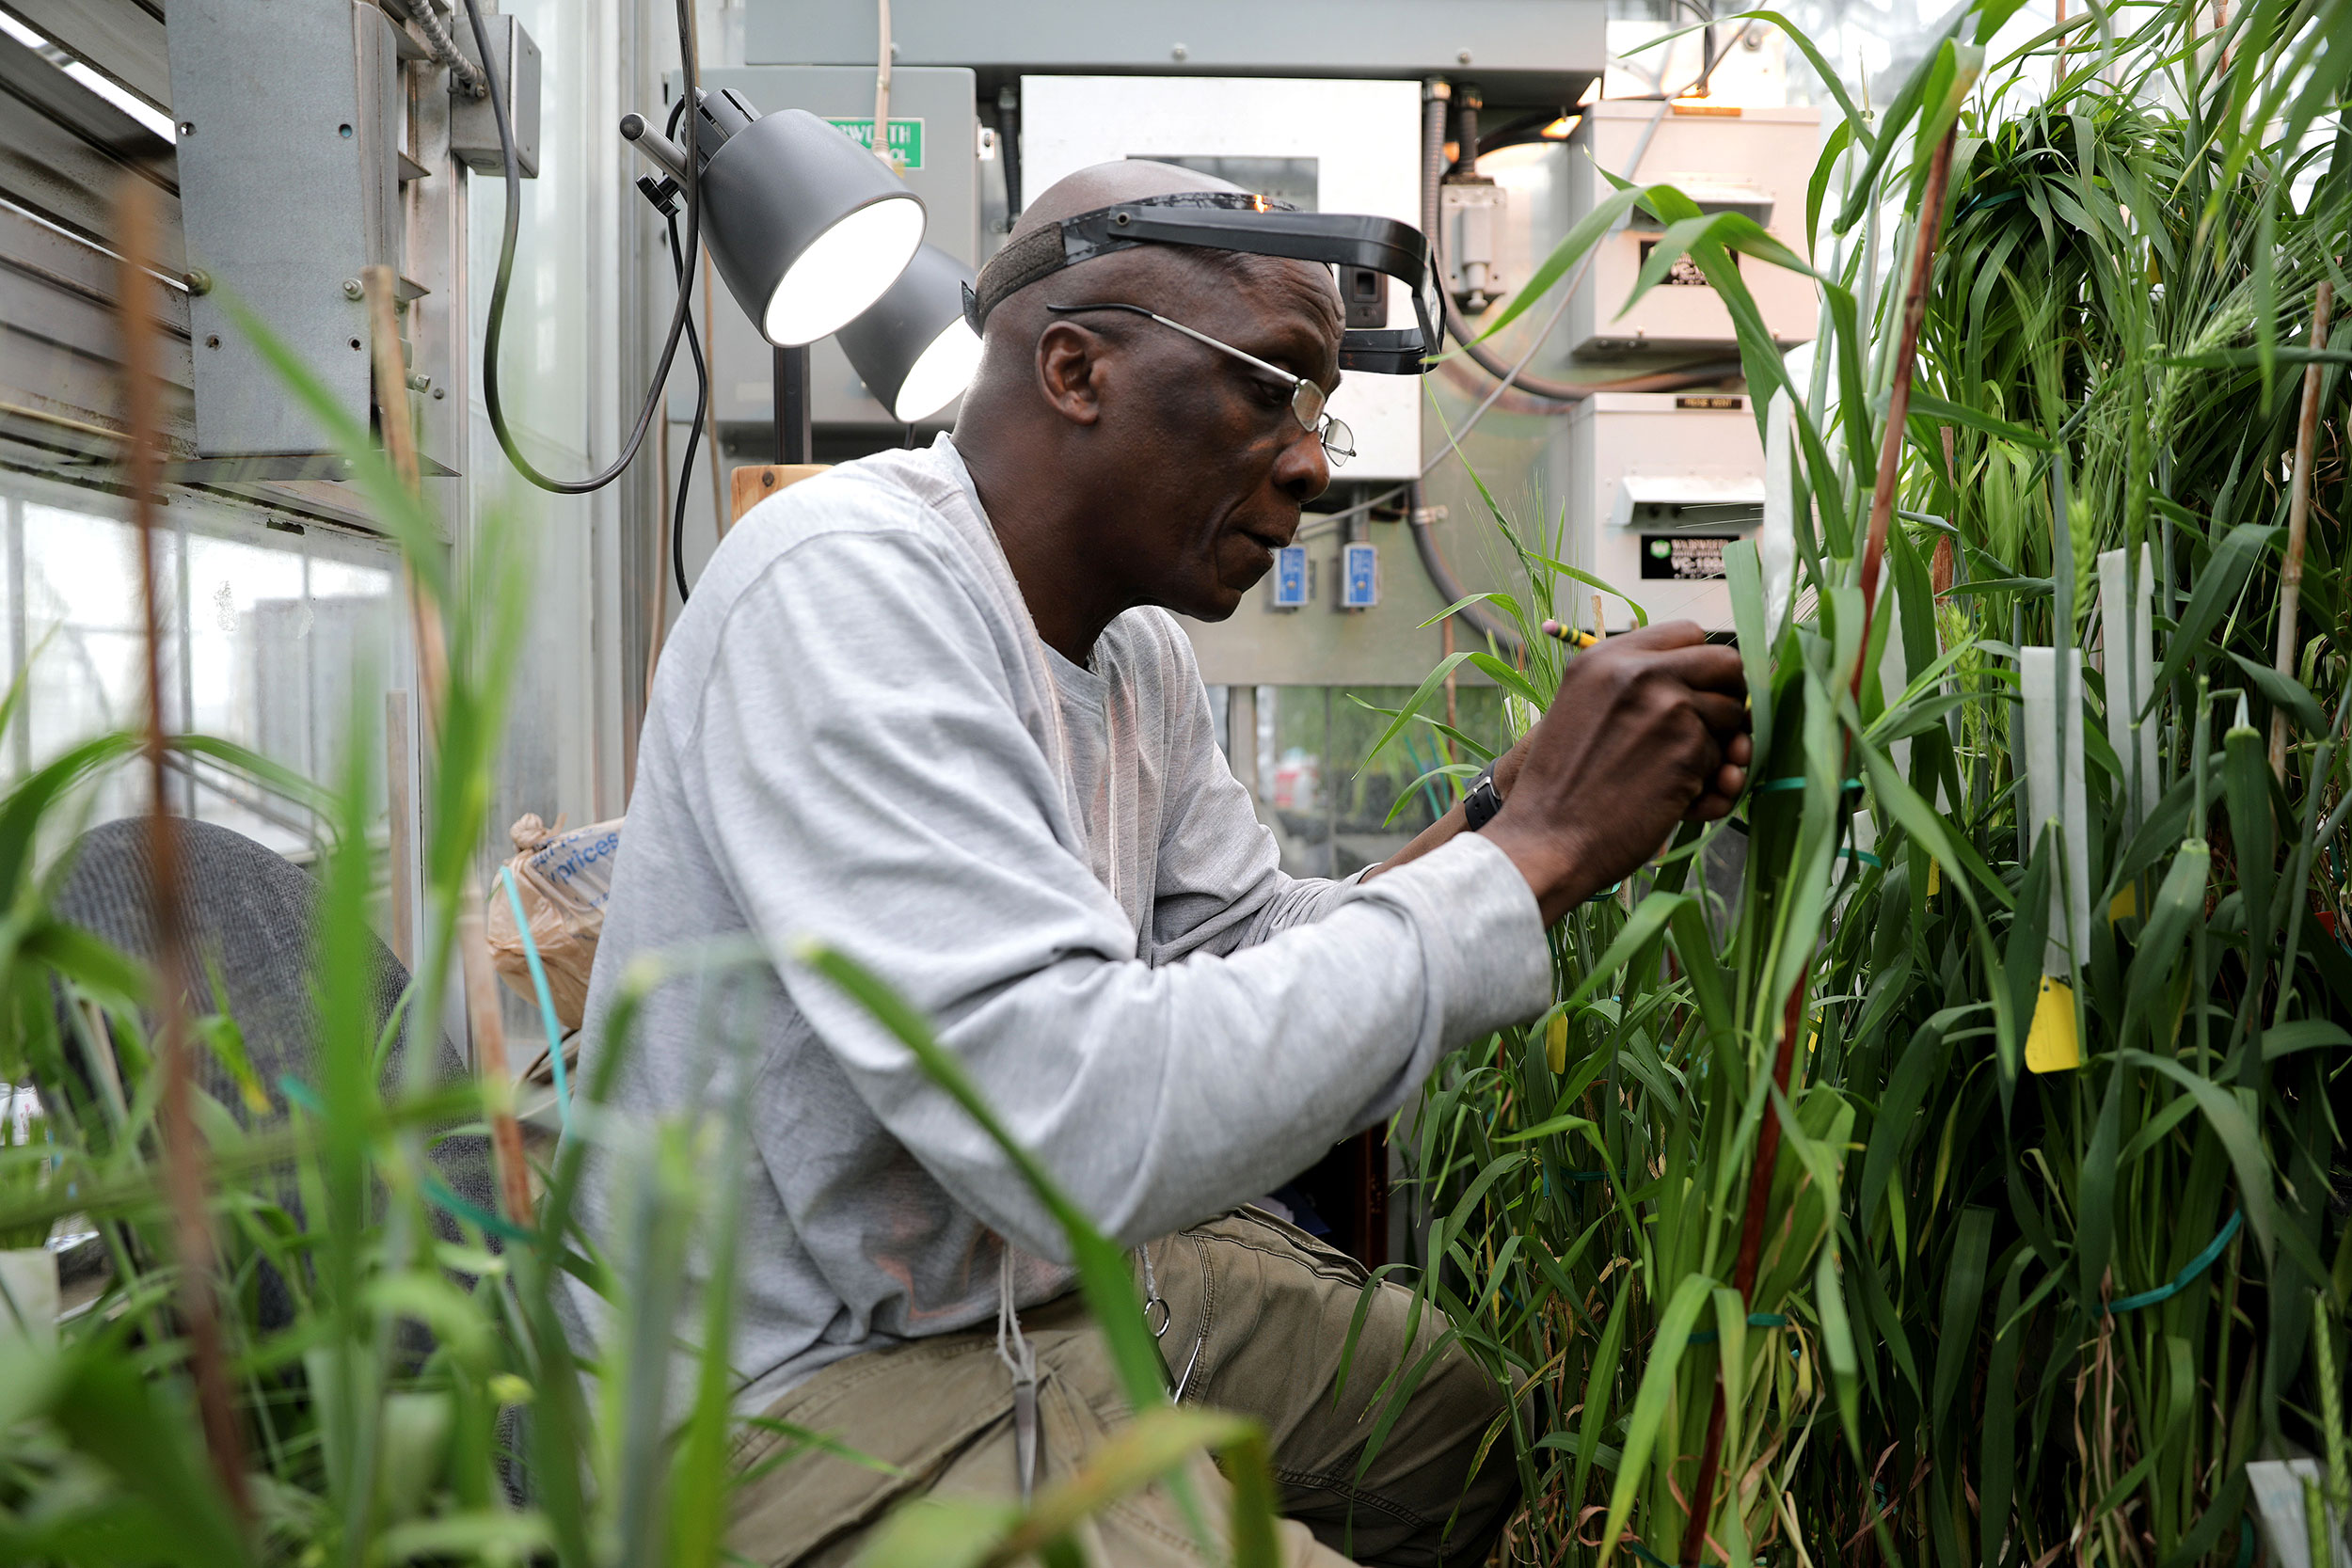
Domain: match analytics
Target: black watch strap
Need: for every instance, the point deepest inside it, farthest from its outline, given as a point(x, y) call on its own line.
point(1480, 805)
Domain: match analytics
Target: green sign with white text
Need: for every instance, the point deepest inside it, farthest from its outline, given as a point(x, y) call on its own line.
point(906, 138)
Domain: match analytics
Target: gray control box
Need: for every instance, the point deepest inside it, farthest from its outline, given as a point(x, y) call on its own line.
point(289, 121)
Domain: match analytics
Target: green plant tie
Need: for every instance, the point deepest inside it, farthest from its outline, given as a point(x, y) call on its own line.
point(1755, 1319)
point(1863, 856)
point(546, 1002)
point(1573, 1176)
point(1655, 1561)
point(1798, 782)
point(2182, 1280)
point(437, 1192)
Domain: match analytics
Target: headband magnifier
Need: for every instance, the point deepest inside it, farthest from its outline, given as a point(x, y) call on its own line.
point(1232, 220)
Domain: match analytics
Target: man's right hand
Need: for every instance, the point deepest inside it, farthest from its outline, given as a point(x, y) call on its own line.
point(1649, 729)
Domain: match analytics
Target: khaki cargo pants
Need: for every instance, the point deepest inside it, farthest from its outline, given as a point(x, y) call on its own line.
point(1269, 1307)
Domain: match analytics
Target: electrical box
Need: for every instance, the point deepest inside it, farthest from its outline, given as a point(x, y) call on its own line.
point(1659, 485)
point(473, 127)
point(934, 132)
point(1755, 161)
point(1289, 585)
point(1324, 146)
point(290, 121)
point(1359, 575)
point(1473, 216)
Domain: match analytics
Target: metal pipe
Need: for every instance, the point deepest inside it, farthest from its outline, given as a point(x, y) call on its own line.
point(1466, 132)
point(1482, 619)
point(791, 404)
point(660, 149)
point(462, 71)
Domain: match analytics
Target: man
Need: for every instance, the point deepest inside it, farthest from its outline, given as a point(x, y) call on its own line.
point(931, 706)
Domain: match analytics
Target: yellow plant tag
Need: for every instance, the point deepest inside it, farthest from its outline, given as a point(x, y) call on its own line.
point(1556, 1043)
point(2054, 1044)
point(2123, 905)
point(1935, 875)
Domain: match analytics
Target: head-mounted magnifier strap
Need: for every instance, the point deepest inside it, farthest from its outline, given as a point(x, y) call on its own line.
point(1237, 222)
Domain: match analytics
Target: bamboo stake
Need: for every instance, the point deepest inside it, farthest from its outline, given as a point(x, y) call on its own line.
point(1873, 556)
point(186, 1177)
point(401, 848)
point(473, 947)
point(881, 90)
point(2298, 521)
point(1899, 394)
point(721, 517)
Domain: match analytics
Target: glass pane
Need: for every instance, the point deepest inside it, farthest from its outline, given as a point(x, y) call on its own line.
point(270, 639)
point(81, 623)
point(1336, 811)
point(347, 661)
point(244, 655)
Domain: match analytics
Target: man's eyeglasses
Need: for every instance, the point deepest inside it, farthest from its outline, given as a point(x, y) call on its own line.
point(1306, 397)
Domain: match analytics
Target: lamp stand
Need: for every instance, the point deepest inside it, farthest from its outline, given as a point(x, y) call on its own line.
point(791, 404)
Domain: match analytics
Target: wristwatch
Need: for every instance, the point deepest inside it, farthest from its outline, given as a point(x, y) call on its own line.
point(1480, 805)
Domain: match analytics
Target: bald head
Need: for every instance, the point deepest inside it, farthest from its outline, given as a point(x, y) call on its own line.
point(1160, 277)
point(1129, 180)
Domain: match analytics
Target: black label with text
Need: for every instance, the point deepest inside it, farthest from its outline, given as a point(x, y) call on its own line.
point(1681, 558)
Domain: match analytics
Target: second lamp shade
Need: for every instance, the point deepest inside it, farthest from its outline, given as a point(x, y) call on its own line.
point(913, 348)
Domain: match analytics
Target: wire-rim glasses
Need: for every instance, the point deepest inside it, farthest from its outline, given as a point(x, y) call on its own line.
point(1306, 397)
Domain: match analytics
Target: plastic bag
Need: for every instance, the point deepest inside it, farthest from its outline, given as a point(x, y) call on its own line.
point(564, 879)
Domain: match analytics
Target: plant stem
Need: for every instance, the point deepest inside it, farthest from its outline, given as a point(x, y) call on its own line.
point(2298, 521)
point(185, 1178)
point(481, 987)
point(1873, 555)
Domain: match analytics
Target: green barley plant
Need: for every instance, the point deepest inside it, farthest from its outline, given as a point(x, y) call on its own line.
point(423, 1397)
point(2031, 1270)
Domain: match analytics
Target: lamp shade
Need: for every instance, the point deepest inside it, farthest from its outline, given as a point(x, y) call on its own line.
point(807, 228)
point(913, 348)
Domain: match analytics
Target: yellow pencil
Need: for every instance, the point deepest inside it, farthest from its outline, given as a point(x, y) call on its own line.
point(1569, 635)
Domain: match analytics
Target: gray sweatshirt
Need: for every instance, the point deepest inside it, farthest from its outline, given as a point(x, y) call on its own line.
point(857, 733)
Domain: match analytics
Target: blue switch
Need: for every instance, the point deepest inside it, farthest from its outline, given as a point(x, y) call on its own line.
point(1290, 576)
point(1359, 577)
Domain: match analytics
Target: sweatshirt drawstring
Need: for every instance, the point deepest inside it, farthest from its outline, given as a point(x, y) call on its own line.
point(1012, 1348)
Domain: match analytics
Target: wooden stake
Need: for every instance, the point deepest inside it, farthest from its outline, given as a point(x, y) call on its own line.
point(1899, 397)
point(473, 946)
point(1873, 556)
point(720, 518)
point(402, 845)
point(186, 1177)
point(2298, 521)
point(881, 90)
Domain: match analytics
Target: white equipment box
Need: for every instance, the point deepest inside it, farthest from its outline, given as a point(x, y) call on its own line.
point(1332, 146)
point(1658, 482)
point(1751, 161)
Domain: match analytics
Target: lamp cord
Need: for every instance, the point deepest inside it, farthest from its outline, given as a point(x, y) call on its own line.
point(497, 320)
point(694, 432)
